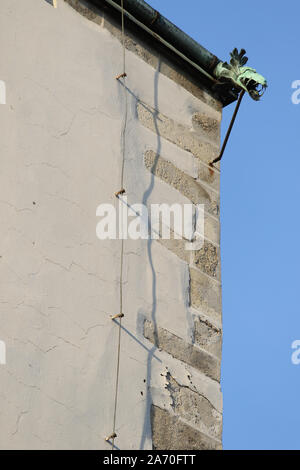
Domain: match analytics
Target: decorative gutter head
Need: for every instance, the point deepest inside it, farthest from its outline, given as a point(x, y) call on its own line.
point(241, 77)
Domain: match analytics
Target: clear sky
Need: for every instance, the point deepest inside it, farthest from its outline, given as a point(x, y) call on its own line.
point(260, 228)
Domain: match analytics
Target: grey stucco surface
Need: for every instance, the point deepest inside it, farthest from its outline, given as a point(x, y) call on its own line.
point(60, 158)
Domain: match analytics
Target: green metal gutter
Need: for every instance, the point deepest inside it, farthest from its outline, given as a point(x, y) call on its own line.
point(165, 32)
point(225, 80)
point(171, 33)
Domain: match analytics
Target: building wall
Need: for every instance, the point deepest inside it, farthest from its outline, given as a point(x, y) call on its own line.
point(60, 158)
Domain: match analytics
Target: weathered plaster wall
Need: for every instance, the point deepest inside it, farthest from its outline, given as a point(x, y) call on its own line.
point(60, 158)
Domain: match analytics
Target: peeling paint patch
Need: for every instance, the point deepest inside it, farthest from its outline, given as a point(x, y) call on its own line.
point(208, 337)
point(194, 408)
point(183, 351)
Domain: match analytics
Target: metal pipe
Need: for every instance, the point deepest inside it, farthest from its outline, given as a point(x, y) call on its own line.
point(229, 129)
point(166, 30)
point(165, 43)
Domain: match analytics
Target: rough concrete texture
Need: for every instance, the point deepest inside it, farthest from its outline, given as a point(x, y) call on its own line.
point(208, 336)
point(208, 260)
point(205, 294)
point(209, 175)
point(171, 433)
point(212, 229)
point(60, 158)
point(183, 351)
point(187, 139)
point(195, 409)
point(209, 127)
point(164, 365)
point(191, 189)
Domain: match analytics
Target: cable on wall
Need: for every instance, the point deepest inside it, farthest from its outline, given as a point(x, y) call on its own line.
point(121, 191)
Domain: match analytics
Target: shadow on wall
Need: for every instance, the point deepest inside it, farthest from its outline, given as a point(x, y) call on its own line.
point(147, 425)
point(146, 433)
point(52, 2)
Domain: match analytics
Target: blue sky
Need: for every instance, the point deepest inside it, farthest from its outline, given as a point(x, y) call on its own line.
point(260, 228)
